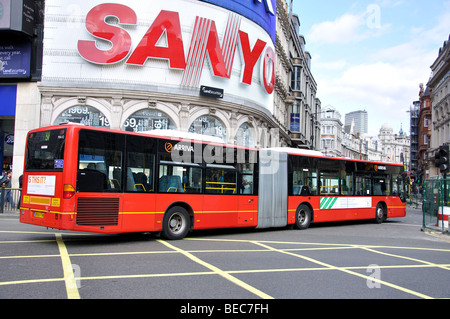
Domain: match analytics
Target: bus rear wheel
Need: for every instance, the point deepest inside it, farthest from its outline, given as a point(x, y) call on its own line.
point(303, 217)
point(176, 223)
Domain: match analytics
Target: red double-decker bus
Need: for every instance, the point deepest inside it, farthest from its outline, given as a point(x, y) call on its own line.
point(105, 181)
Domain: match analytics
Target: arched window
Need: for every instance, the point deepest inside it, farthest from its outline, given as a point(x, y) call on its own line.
point(147, 120)
point(245, 136)
point(83, 114)
point(209, 125)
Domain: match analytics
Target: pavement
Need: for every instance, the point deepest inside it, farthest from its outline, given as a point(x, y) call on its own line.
point(10, 214)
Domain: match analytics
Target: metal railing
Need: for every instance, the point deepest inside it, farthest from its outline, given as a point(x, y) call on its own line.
point(9, 199)
point(436, 204)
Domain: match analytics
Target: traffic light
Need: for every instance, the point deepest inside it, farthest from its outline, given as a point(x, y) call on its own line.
point(442, 159)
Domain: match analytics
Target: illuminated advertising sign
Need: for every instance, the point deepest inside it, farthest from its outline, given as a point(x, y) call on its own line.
point(15, 59)
point(262, 12)
point(180, 44)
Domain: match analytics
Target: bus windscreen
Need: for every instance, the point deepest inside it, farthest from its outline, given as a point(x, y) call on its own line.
point(45, 151)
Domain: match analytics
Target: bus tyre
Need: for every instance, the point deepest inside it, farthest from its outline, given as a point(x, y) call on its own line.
point(303, 217)
point(380, 214)
point(176, 223)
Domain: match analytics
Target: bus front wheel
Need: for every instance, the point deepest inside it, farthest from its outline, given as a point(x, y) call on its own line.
point(303, 217)
point(176, 223)
point(380, 213)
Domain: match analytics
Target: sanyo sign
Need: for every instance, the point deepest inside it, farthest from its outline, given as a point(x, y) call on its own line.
point(213, 37)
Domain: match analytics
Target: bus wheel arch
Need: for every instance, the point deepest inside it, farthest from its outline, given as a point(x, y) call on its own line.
point(380, 212)
point(177, 221)
point(304, 216)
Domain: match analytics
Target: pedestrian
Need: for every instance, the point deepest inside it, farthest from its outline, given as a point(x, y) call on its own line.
point(6, 183)
point(20, 186)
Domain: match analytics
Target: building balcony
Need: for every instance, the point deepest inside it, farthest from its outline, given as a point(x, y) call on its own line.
point(299, 139)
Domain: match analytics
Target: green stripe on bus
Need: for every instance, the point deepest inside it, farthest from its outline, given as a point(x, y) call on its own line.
point(327, 202)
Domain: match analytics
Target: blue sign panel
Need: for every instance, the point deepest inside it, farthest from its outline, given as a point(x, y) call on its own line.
point(15, 58)
point(8, 100)
point(295, 122)
point(262, 12)
point(59, 163)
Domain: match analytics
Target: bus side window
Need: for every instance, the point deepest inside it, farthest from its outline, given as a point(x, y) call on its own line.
point(220, 179)
point(347, 185)
point(180, 179)
point(363, 185)
point(381, 186)
point(99, 154)
point(397, 185)
point(140, 162)
point(329, 183)
point(91, 181)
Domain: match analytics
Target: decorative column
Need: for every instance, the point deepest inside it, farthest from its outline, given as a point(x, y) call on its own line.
point(46, 110)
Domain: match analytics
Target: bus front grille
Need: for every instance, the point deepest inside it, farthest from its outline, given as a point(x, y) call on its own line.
point(98, 211)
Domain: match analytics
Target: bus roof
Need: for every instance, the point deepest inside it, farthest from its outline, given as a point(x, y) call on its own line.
point(185, 135)
point(303, 152)
point(210, 139)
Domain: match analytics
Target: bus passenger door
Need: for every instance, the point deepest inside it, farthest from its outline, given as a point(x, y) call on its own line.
point(247, 210)
point(247, 198)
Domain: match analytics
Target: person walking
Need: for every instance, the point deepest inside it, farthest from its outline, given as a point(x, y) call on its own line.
point(6, 183)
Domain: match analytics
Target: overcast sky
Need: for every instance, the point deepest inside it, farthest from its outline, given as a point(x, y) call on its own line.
point(372, 55)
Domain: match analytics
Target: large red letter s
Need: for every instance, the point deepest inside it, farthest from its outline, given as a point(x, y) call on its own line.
point(119, 38)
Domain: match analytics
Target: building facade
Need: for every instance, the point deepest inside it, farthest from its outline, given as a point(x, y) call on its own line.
point(424, 134)
point(232, 69)
point(303, 107)
point(414, 129)
point(331, 132)
point(440, 104)
point(337, 141)
point(396, 148)
point(359, 120)
point(21, 34)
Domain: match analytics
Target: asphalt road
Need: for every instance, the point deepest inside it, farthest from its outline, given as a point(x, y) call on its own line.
point(354, 260)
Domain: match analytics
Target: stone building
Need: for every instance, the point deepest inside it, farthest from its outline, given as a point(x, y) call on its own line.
point(342, 141)
point(303, 107)
point(424, 134)
point(331, 132)
point(440, 104)
point(395, 147)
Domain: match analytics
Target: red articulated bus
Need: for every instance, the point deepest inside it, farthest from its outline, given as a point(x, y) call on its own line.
point(89, 179)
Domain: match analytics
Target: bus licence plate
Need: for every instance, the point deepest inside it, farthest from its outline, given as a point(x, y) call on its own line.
point(38, 214)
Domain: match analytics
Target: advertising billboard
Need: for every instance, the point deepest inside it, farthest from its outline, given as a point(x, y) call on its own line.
point(15, 59)
point(172, 46)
